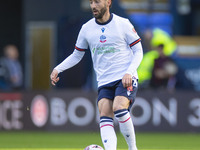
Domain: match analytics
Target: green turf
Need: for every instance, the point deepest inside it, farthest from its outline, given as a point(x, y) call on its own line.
point(77, 141)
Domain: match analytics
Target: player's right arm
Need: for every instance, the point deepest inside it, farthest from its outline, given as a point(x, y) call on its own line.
point(69, 62)
point(54, 77)
point(73, 59)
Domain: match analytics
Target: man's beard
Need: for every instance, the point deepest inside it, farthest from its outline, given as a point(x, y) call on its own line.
point(101, 13)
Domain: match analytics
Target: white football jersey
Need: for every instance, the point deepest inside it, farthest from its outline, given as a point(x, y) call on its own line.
point(110, 45)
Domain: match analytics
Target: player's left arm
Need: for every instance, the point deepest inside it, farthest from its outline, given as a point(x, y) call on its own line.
point(134, 42)
point(136, 60)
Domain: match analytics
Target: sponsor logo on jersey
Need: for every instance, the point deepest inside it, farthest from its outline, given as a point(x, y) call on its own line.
point(93, 50)
point(103, 39)
point(105, 50)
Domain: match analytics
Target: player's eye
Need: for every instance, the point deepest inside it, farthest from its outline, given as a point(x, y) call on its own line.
point(97, 1)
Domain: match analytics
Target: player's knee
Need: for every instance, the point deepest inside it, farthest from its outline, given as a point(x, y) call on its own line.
point(120, 103)
point(118, 107)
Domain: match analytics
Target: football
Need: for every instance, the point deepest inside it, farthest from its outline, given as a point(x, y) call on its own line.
point(93, 147)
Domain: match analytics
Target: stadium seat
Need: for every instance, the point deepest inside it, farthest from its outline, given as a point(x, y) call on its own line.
point(143, 21)
point(140, 21)
point(163, 21)
point(160, 19)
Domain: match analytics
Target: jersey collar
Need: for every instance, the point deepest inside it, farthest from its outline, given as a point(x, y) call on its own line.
point(109, 20)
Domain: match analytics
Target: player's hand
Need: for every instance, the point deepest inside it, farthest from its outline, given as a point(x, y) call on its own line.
point(127, 80)
point(54, 77)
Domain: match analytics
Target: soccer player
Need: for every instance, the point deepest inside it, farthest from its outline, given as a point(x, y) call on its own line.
point(116, 54)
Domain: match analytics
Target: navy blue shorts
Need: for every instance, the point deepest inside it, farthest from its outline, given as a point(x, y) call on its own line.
point(113, 89)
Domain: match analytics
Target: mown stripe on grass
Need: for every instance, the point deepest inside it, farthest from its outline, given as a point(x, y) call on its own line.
point(76, 149)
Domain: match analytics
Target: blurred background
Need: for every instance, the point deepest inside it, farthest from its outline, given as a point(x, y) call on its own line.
point(37, 35)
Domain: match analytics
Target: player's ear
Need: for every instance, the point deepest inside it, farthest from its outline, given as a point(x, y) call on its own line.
point(109, 2)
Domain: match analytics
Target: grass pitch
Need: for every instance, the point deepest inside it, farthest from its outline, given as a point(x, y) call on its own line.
point(78, 141)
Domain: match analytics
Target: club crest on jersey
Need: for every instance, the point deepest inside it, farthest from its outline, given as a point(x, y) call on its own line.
point(103, 39)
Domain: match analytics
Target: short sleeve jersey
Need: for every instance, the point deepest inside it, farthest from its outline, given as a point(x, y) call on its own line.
point(110, 45)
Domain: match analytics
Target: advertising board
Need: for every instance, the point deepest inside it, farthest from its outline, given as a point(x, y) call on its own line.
point(75, 110)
